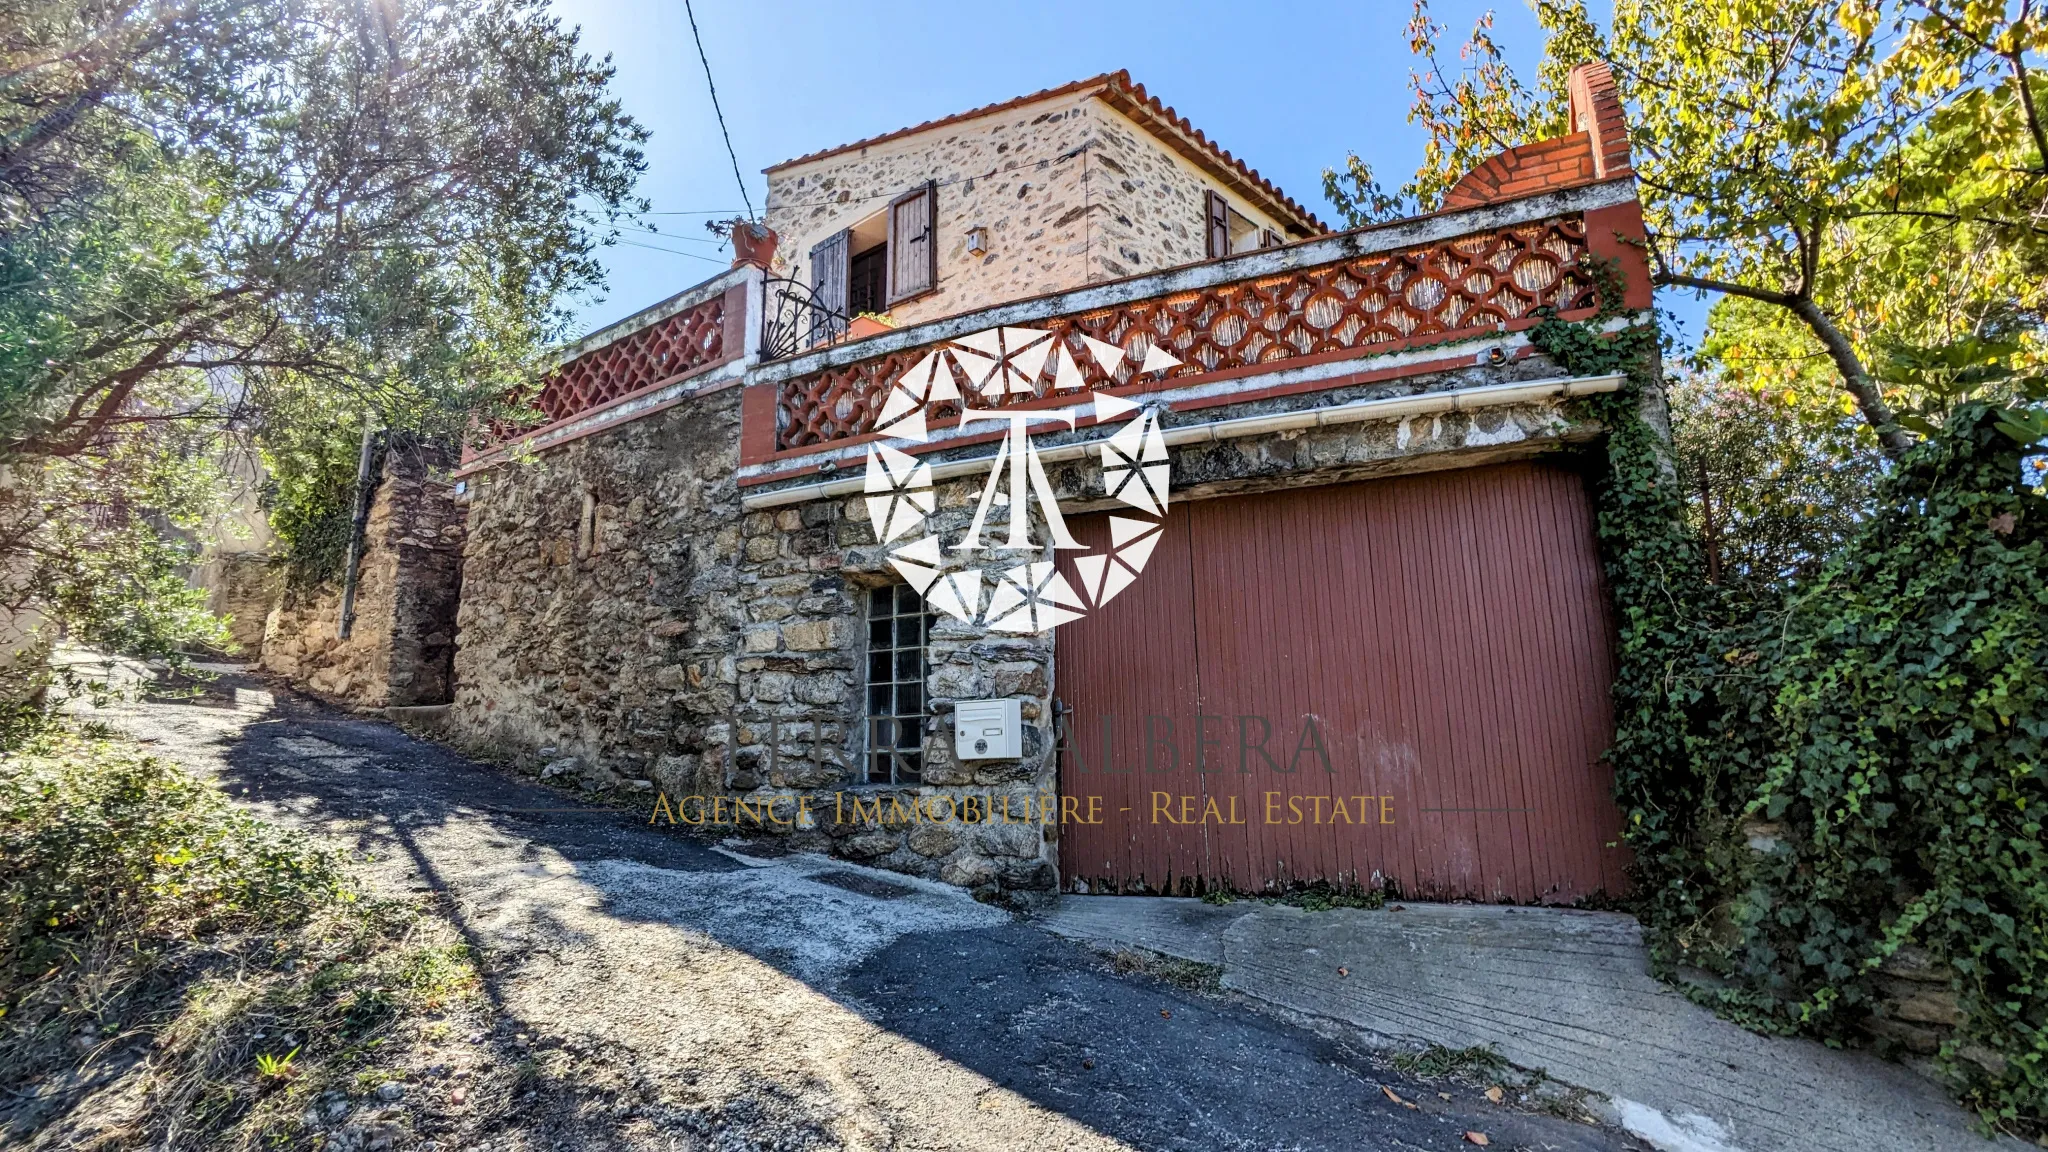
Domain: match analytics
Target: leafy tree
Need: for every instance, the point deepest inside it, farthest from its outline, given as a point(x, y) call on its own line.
point(82, 77)
point(1841, 163)
point(272, 219)
point(398, 221)
point(1774, 472)
point(310, 451)
point(99, 541)
point(1469, 112)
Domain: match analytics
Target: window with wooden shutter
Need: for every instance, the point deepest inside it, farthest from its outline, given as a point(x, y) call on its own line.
point(913, 243)
point(1231, 232)
point(828, 284)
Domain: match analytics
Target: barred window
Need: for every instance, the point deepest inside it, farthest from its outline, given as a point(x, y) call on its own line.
point(898, 626)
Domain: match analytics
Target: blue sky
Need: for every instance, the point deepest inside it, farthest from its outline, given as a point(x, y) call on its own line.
point(1287, 87)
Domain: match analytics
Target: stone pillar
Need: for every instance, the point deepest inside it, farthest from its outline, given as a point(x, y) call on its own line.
point(402, 646)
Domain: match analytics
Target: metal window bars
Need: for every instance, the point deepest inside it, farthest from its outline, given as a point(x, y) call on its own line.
point(899, 625)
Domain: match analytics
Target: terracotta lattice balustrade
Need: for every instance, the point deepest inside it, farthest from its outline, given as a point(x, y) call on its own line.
point(681, 344)
point(1457, 285)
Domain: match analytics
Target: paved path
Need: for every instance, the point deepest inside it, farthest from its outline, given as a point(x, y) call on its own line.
point(1566, 991)
point(798, 1002)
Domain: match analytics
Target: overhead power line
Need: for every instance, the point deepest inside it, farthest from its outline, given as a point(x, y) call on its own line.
point(670, 251)
point(671, 235)
point(709, 83)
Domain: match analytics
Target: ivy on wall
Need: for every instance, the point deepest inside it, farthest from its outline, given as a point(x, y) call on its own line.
point(310, 499)
point(1809, 787)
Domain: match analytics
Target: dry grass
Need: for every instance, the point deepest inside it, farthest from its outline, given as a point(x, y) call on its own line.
point(1188, 974)
point(178, 975)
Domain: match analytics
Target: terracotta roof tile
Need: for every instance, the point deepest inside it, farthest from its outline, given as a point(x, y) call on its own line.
point(944, 121)
point(1118, 91)
point(1260, 188)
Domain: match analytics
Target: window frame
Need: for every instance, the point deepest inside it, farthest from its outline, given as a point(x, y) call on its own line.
point(903, 603)
point(1223, 221)
point(1254, 235)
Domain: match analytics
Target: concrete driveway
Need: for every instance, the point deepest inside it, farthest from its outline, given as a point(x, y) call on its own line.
point(797, 1002)
point(1565, 991)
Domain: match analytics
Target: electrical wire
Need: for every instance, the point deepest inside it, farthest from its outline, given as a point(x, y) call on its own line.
point(670, 251)
point(669, 235)
point(708, 83)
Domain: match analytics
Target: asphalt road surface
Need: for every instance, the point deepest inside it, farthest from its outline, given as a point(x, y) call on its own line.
point(794, 1002)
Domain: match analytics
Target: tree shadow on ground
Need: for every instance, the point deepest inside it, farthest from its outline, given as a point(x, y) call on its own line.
point(1134, 1058)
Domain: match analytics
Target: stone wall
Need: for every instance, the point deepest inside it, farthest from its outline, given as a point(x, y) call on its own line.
point(1916, 1010)
point(600, 614)
point(1068, 191)
point(400, 650)
point(626, 626)
point(806, 573)
point(1147, 203)
point(243, 587)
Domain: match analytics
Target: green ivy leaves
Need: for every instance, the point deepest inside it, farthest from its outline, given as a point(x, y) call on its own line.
point(1881, 732)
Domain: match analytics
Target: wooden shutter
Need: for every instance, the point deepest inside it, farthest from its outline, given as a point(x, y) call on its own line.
point(1219, 226)
point(828, 285)
point(1270, 239)
point(913, 243)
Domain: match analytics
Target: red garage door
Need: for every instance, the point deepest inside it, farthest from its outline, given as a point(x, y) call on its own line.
point(1401, 680)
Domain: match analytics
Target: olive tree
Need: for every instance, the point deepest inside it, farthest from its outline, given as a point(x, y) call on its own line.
point(272, 219)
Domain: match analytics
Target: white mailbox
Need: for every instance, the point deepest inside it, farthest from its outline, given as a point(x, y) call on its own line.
point(987, 730)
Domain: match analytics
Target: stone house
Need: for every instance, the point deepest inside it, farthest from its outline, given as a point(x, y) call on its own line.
point(1094, 180)
point(1307, 508)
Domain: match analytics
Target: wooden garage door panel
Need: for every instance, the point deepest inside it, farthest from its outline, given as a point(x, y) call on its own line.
point(1103, 760)
point(1439, 642)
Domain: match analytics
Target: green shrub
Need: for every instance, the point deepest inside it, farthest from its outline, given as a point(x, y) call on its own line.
point(1904, 695)
point(144, 913)
point(1886, 721)
point(99, 842)
point(310, 495)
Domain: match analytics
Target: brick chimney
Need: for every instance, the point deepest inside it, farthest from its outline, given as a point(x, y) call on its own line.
point(1596, 110)
point(1595, 148)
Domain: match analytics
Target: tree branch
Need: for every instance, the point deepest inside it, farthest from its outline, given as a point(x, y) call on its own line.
point(1949, 217)
point(2040, 132)
point(1680, 280)
point(1869, 399)
point(1856, 380)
